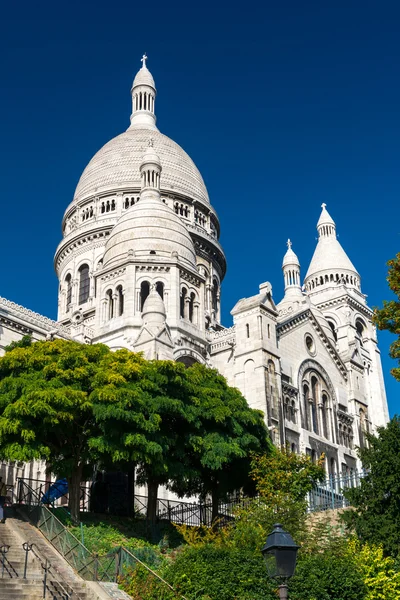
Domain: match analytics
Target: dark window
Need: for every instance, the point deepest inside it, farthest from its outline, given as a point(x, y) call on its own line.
point(84, 284)
point(144, 292)
point(120, 300)
point(110, 304)
point(160, 288)
point(183, 299)
point(191, 306)
point(68, 281)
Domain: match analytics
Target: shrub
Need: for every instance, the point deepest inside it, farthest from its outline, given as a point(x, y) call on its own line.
point(326, 576)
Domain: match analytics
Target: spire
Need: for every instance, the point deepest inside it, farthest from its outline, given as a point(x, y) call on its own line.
point(291, 272)
point(330, 264)
point(143, 98)
point(326, 225)
point(150, 172)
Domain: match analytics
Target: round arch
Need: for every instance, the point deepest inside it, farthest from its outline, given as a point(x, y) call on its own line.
point(188, 356)
point(311, 364)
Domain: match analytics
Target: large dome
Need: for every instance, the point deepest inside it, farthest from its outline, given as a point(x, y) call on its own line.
point(116, 166)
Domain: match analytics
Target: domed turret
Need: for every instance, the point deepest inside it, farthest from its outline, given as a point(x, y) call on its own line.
point(291, 272)
point(150, 229)
point(143, 98)
point(330, 264)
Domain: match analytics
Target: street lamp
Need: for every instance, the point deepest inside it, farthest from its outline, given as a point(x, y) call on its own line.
point(280, 553)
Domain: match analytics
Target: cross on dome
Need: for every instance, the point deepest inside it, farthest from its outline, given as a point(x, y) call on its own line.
point(289, 244)
point(143, 60)
point(323, 205)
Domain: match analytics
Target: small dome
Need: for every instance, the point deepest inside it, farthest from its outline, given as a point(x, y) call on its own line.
point(143, 76)
point(150, 229)
point(290, 257)
point(150, 156)
point(154, 313)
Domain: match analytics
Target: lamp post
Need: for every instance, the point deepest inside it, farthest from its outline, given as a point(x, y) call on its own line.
point(280, 553)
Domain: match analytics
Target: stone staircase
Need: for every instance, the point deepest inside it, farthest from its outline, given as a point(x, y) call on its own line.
point(62, 582)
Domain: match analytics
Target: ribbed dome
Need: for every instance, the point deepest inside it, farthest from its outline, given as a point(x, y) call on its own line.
point(290, 257)
point(116, 166)
point(144, 77)
point(150, 229)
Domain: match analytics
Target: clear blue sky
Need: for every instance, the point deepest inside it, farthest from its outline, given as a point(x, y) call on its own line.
point(282, 106)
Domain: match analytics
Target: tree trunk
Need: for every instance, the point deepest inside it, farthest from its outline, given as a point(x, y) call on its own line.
point(74, 493)
point(152, 490)
point(215, 505)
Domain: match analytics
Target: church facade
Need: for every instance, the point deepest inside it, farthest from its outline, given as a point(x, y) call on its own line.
point(140, 267)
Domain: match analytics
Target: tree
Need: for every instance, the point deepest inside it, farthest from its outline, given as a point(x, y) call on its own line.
point(46, 408)
point(388, 317)
point(197, 432)
point(223, 437)
point(144, 412)
point(376, 514)
point(282, 481)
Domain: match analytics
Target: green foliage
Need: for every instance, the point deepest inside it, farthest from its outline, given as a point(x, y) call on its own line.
point(46, 409)
point(223, 437)
point(207, 573)
point(101, 534)
point(282, 481)
point(184, 428)
point(328, 576)
point(388, 317)
point(375, 517)
point(381, 575)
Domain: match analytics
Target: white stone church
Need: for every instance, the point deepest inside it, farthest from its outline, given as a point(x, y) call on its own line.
point(140, 267)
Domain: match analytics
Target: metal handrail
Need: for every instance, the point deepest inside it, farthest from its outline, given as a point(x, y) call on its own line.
point(89, 566)
point(5, 563)
point(47, 567)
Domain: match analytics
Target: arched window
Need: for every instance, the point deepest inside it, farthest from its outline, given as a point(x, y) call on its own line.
point(293, 411)
point(324, 410)
point(120, 300)
point(215, 296)
point(110, 299)
point(160, 288)
point(183, 300)
point(314, 416)
point(191, 306)
point(68, 281)
point(84, 284)
point(333, 327)
point(144, 292)
point(360, 331)
point(247, 330)
point(306, 391)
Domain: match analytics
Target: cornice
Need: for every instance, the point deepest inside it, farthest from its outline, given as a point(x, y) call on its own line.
point(346, 300)
point(76, 244)
point(28, 317)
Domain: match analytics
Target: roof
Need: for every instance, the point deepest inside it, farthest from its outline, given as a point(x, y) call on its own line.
point(116, 165)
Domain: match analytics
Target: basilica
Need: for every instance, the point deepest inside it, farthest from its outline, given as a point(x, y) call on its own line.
point(140, 266)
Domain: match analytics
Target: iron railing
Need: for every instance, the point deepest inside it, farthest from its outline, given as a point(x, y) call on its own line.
point(91, 567)
point(41, 487)
point(330, 494)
